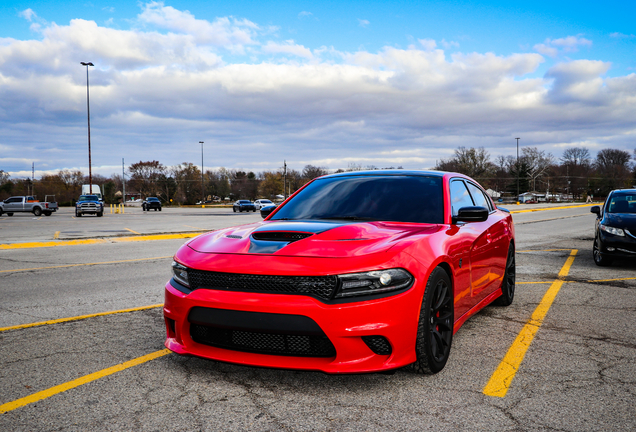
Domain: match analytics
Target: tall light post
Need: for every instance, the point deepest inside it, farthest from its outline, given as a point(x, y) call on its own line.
point(88, 110)
point(517, 168)
point(202, 190)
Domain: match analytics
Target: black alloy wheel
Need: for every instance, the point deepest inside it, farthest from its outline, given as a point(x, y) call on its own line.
point(508, 284)
point(599, 258)
point(435, 326)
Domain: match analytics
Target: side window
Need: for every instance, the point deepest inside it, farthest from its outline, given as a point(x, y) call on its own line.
point(459, 196)
point(478, 196)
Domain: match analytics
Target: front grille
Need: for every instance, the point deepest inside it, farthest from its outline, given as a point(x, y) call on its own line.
point(323, 287)
point(280, 236)
point(89, 206)
point(263, 343)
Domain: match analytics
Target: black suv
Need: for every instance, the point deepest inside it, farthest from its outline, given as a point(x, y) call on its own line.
point(615, 227)
point(243, 205)
point(151, 203)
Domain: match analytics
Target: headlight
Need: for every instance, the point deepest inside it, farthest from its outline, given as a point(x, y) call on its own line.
point(180, 273)
point(612, 230)
point(373, 282)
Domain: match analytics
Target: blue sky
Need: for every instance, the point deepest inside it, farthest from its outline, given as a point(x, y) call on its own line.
point(323, 83)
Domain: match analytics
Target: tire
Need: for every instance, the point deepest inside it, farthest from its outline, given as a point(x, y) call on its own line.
point(1, 212)
point(37, 211)
point(9, 214)
point(234, 208)
point(435, 326)
point(159, 208)
point(78, 214)
point(254, 210)
point(599, 259)
point(100, 214)
point(155, 209)
point(47, 213)
point(508, 284)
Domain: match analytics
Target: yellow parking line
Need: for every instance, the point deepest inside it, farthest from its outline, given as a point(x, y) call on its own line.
point(502, 377)
point(56, 235)
point(533, 283)
point(552, 208)
point(9, 406)
point(77, 318)
point(81, 265)
point(52, 243)
point(543, 250)
point(134, 232)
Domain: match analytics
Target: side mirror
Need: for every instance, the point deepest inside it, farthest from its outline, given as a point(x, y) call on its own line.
point(471, 214)
point(265, 211)
point(596, 210)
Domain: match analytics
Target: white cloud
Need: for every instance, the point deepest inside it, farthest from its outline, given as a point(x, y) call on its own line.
point(304, 14)
point(28, 14)
point(622, 35)
point(288, 47)
point(428, 44)
point(553, 47)
point(363, 22)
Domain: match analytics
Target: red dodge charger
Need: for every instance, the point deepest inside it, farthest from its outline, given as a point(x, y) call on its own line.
point(355, 272)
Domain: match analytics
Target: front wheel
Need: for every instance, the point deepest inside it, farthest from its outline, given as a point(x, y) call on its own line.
point(37, 211)
point(599, 258)
point(508, 284)
point(435, 326)
point(9, 214)
point(100, 214)
point(78, 214)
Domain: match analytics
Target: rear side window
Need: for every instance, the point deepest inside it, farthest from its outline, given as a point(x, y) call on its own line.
point(478, 196)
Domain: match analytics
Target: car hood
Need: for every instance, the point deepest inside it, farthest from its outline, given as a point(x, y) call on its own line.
point(326, 239)
point(621, 220)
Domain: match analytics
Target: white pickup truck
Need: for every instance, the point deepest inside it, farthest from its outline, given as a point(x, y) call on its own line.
point(28, 204)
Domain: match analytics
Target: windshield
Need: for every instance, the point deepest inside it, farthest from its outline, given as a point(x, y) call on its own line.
point(153, 199)
point(88, 198)
point(622, 203)
point(368, 197)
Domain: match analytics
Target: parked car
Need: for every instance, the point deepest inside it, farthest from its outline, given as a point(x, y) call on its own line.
point(615, 231)
point(260, 203)
point(243, 205)
point(27, 204)
point(89, 204)
point(151, 203)
point(340, 279)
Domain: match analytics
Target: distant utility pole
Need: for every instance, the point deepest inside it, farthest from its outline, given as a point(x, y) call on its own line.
point(88, 112)
point(517, 168)
point(33, 178)
point(123, 179)
point(285, 179)
point(202, 189)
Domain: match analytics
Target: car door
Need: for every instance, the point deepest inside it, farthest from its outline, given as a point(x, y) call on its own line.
point(489, 253)
point(13, 204)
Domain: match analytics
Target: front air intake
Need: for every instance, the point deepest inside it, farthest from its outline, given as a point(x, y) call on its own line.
point(285, 236)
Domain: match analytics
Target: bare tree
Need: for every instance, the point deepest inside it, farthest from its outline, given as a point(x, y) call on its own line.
point(474, 162)
point(144, 176)
point(613, 167)
point(310, 172)
point(537, 161)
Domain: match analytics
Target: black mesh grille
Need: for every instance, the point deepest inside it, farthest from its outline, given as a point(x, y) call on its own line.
point(319, 286)
point(263, 343)
point(280, 236)
point(378, 344)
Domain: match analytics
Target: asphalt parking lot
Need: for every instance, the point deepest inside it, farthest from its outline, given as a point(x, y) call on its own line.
point(562, 357)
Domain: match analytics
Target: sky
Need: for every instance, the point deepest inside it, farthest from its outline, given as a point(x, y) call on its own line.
point(324, 83)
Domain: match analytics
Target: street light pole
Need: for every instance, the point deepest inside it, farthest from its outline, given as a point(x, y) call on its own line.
point(517, 168)
point(88, 110)
point(202, 190)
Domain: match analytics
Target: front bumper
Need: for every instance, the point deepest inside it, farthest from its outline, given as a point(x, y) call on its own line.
point(618, 246)
point(393, 318)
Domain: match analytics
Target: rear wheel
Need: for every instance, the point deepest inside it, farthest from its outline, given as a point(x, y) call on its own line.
point(37, 211)
point(599, 258)
point(508, 284)
point(47, 213)
point(435, 326)
point(9, 214)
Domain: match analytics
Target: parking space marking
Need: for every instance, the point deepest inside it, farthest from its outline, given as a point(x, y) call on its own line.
point(552, 208)
point(190, 226)
point(134, 232)
point(551, 219)
point(56, 235)
point(84, 264)
point(80, 317)
point(504, 374)
point(78, 242)
point(44, 394)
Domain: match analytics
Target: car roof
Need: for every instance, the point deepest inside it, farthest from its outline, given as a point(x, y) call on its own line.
point(394, 172)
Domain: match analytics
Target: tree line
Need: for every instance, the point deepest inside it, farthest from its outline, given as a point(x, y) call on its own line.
point(576, 173)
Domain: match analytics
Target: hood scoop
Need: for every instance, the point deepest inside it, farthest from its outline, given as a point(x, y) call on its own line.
point(280, 236)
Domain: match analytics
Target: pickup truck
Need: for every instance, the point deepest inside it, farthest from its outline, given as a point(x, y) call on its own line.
point(26, 204)
point(89, 204)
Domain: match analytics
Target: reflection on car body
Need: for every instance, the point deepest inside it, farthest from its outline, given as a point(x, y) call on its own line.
point(340, 279)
